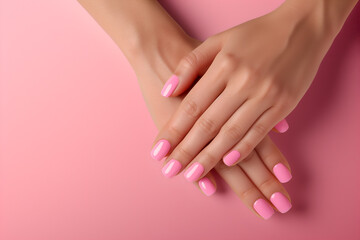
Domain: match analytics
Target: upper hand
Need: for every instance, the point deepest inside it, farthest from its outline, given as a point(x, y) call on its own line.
point(255, 74)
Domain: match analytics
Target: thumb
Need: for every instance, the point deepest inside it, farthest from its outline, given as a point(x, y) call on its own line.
point(191, 66)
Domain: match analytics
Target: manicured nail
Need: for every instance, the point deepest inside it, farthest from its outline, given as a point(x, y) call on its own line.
point(282, 173)
point(171, 168)
point(194, 172)
point(280, 202)
point(170, 86)
point(231, 158)
point(282, 126)
point(160, 150)
point(207, 186)
point(263, 208)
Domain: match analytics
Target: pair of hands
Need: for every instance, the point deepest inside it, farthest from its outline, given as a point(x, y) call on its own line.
point(252, 76)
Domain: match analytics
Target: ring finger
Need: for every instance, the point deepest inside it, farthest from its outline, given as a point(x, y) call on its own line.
point(204, 130)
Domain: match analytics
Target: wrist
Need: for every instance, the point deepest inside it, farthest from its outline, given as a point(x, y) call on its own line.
point(142, 29)
point(155, 39)
point(325, 18)
point(159, 48)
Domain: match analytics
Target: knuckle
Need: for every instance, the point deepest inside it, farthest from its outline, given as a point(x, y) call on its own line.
point(251, 72)
point(184, 153)
point(189, 60)
point(268, 89)
point(238, 85)
point(245, 79)
point(260, 129)
point(268, 183)
point(228, 62)
point(174, 131)
point(248, 192)
point(207, 125)
point(211, 158)
point(249, 157)
point(191, 108)
point(247, 147)
point(234, 132)
point(286, 100)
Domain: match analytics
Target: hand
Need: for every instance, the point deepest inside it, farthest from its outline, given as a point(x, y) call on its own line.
point(256, 73)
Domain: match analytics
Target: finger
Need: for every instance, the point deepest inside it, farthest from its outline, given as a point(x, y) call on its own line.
point(207, 184)
point(235, 128)
point(191, 66)
point(282, 126)
point(192, 106)
point(204, 130)
point(263, 179)
point(245, 190)
point(274, 160)
point(259, 129)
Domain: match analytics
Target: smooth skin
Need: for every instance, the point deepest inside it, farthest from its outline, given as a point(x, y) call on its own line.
point(251, 180)
point(252, 76)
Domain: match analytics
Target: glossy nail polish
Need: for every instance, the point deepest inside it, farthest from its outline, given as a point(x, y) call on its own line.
point(280, 202)
point(170, 86)
point(282, 126)
point(160, 149)
point(231, 158)
point(263, 208)
point(194, 172)
point(207, 186)
point(171, 168)
point(282, 173)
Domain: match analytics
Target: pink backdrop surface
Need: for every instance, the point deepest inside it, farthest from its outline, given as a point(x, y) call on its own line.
point(75, 160)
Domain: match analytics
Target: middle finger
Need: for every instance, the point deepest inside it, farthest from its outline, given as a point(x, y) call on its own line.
point(205, 129)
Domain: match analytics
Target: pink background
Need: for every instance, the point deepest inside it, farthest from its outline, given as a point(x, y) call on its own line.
point(75, 160)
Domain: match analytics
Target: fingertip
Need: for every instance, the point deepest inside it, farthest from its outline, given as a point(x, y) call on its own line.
point(170, 86)
point(263, 208)
point(281, 202)
point(282, 126)
point(231, 158)
point(207, 186)
point(282, 173)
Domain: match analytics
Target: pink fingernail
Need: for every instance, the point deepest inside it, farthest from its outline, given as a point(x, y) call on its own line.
point(194, 172)
point(231, 158)
point(160, 150)
point(170, 86)
point(171, 168)
point(280, 202)
point(282, 126)
point(207, 186)
point(263, 208)
point(282, 173)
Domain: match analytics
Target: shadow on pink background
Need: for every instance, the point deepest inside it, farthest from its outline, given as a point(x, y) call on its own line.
point(75, 160)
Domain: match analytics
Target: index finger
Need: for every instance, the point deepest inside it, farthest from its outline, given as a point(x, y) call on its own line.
point(191, 108)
